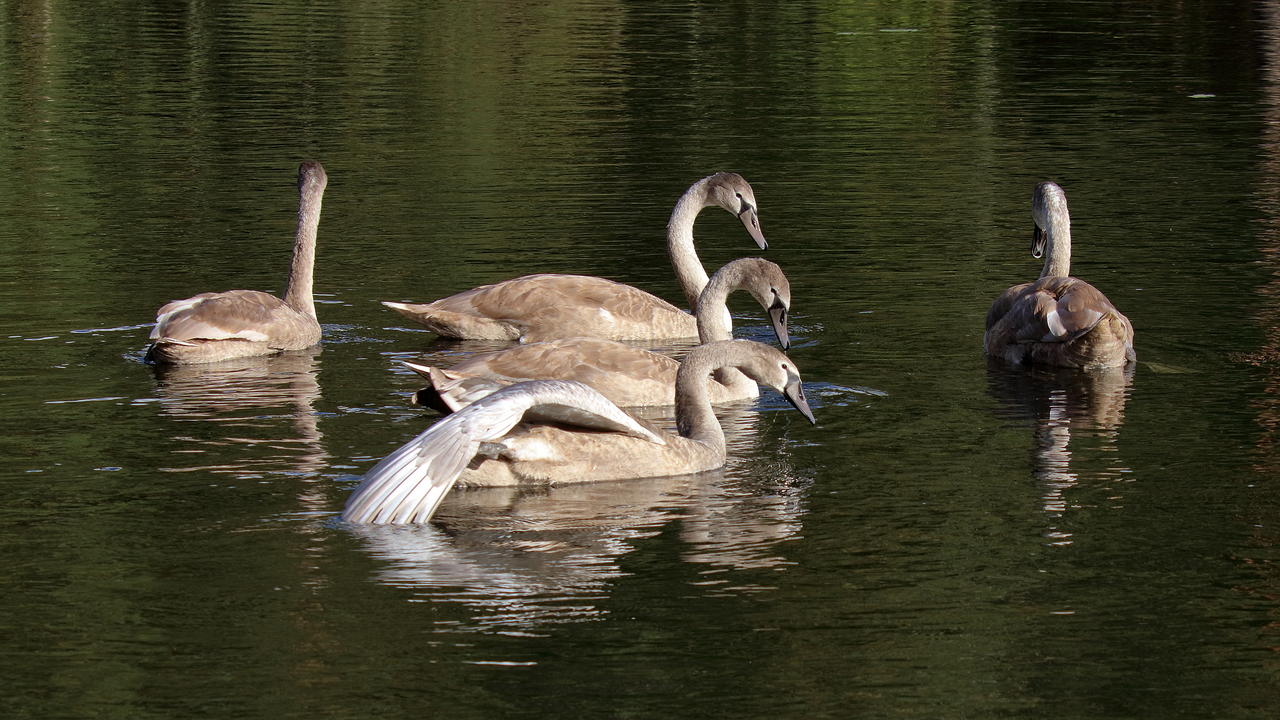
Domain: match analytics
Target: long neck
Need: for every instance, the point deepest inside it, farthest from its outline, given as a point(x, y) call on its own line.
point(684, 258)
point(712, 306)
point(715, 323)
point(1057, 252)
point(694, 417)
point(298, 290)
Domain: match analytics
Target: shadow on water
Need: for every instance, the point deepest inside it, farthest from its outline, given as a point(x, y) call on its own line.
point(263, 404)
point(1060, 403)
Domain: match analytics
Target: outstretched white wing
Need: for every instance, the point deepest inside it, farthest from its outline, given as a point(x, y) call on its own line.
point(408, 485)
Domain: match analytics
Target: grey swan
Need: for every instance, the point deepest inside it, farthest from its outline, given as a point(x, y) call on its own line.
point(540, 307)
point(1058, 319)
point(561, 431)
point(211, 327)
point(627, 375)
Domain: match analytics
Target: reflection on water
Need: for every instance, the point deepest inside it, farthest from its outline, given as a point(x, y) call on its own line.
point(264, 404)
point(1268, 199)
point(1060, 402)
point(527, 557)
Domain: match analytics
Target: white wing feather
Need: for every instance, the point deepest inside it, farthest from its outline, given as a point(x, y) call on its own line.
point(408, 485)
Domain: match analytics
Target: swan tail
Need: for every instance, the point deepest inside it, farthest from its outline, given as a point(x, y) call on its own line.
point(457, 325)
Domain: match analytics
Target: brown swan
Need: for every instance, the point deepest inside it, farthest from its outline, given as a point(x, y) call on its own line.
point(629, 376)
point(1058, 319)
point(240, 323)
point(540, 307)
point(533, 433)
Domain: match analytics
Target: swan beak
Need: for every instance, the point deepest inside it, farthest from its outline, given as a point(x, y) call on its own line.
point(752, 223)
point(794, 393)
point(1038, 238)
point(778, 317)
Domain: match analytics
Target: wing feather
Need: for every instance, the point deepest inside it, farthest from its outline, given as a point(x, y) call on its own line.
point(231, 315)
point(409, 484)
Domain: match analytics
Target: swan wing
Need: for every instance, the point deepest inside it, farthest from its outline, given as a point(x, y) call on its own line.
point(1062, 309)
point(408, 485)
point(625, 374)
point(231, 315)
point(1048, 310)
point(546, 306)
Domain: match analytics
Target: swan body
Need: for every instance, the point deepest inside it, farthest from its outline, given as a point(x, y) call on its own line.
point(540, 307)
point(551, 446)
point(629, 376)
point(1058, 319)
point(210, 327)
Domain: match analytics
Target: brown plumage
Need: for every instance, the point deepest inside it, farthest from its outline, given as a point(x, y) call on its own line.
point(487, 443)
point(1057, 319)
point(533, 308)
point(240, 323)
point(629, 376)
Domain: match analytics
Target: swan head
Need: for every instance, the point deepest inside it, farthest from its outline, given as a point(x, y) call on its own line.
point(311, 176)
point(1049, 211)
point(793, 391)
point(733, 193)
point(769, 286)
point(770, 367)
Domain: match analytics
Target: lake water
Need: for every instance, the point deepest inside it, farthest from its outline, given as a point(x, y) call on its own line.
point(952, 539)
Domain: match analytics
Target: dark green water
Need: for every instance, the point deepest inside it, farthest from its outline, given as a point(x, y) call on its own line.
point(951, 540)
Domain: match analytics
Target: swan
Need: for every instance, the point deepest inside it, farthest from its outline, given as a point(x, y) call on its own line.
point(540, 307)
point(560, 439)
point(1058, 319)
point(629, 376)
point(241, 323)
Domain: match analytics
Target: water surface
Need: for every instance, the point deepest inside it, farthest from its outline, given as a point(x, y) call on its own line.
point(954, 538)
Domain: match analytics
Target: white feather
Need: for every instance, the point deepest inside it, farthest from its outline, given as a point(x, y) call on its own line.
point(409, 484)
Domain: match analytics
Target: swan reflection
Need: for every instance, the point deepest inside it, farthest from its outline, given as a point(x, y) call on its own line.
point(1089, 404)
point(260, 404)
point(522, 558)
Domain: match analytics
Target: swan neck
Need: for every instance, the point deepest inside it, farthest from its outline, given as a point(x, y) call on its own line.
point(712, 306)
point(684, 257)
point(298, 287)
point(1057, 253)
point(694, 417)
point(1050, 210)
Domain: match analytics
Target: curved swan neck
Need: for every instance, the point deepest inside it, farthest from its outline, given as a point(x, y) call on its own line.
point(684, 258)
point(694, 417)
point(1050, 211)
point(298, 287)
point(712, 306)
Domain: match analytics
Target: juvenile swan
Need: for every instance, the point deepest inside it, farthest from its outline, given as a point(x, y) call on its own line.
point(544, 307)
point(629, 376)
point(1057, 320)
point(408, 484)
point(239, 323)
